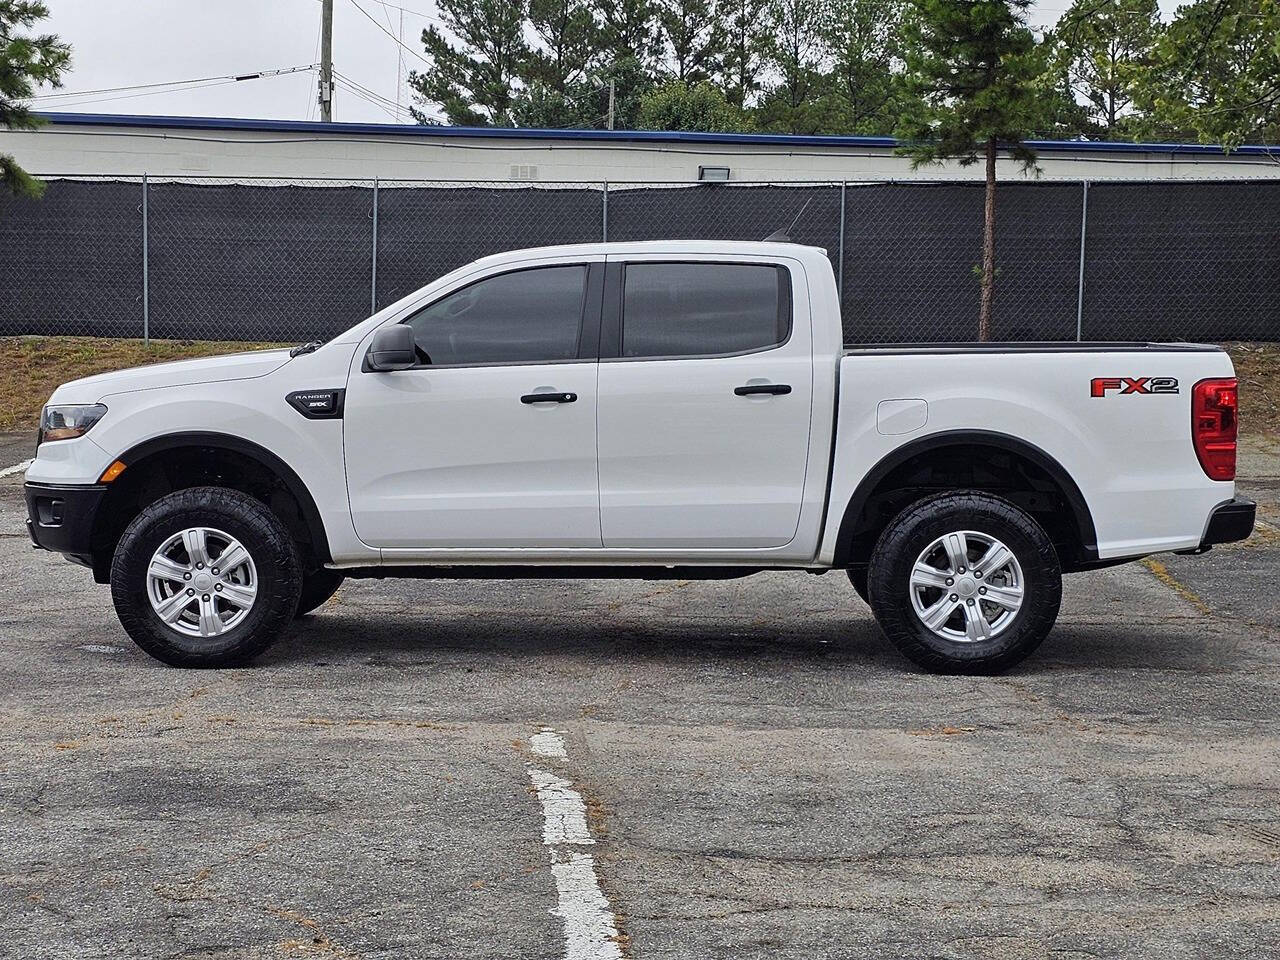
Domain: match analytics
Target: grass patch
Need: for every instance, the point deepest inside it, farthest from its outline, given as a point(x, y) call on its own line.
point(30, 367)
point(1258, 370)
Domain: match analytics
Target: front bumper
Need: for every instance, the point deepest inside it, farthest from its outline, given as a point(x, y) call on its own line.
point(1229, 522)
point(60, 517)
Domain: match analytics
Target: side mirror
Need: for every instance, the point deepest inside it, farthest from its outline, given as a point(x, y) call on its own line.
point(392, 349)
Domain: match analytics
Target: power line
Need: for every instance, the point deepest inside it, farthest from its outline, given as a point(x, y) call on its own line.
point(150, 89)
point(368, 16)
point(133, 96)
point(361, 96)
point(378, 99)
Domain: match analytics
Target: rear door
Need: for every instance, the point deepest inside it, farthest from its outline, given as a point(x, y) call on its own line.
point(704, 403)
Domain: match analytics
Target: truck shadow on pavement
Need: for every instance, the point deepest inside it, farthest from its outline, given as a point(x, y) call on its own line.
point(851, 641)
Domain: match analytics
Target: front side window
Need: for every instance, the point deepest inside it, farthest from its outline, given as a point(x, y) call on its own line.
point(523, 317)
point(703, 309)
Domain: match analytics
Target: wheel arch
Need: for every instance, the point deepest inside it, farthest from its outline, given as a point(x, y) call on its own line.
point(265, 460)
point(938, 444)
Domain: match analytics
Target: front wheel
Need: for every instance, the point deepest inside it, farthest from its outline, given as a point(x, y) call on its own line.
point(965, 583)
point(205, 577)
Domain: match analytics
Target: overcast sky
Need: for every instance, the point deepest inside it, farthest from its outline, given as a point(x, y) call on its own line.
point(158, 41)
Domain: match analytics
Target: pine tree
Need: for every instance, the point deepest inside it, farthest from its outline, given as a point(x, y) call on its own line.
point(745, 26)
point(474, 84)
point(25, 62)
point(795, 57)
point(557, 86)
point(863, 39)
point(691, 37)
point(1102, 47)
point(973, 69)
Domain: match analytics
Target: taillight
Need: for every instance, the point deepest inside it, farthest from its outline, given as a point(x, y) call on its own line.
point(1213, 426)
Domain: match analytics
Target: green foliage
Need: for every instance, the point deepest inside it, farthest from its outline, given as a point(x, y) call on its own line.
point(475, 84)
point(1102, 49)
point(947, 76)
point(691, 38)
point(26, 61)
point(678, 106)
point(1216, 75)
point(973, 73)
point(745, 34)
point(863, 40)
point(796, 104)
point(972, 68)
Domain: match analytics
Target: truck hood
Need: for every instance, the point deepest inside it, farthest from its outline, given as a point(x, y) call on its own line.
point(234, 366)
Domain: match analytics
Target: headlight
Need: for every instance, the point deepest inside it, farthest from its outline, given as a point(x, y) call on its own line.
point(66, 422)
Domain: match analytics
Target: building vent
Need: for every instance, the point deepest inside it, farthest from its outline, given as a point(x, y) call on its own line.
point(524, 171)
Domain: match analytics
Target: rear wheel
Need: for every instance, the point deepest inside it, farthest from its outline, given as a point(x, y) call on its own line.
point(965, 583)
point(317, 587)
point(205, 577)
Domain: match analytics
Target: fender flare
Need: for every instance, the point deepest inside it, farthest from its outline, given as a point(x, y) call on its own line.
point(264, 457)
point(953, 438)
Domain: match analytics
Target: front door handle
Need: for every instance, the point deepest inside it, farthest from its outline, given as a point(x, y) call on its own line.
point(776, 389)
point(553, 397)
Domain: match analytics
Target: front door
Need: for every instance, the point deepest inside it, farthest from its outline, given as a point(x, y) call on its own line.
point(490, 440)
point(706, 384)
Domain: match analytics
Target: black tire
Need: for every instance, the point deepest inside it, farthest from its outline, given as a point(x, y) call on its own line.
point(858, 577)
point(317, 587)
point(912, 532)
point(275, 559)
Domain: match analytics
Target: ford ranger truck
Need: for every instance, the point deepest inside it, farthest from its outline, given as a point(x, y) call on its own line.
point(679, 409)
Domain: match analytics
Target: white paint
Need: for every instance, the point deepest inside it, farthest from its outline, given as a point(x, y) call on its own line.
point(16, 468)
point(590, 930)
point(563, 812)
point(548, 743)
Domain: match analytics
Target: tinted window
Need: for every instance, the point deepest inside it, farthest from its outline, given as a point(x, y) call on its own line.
point(695, 309)
point(516, 317)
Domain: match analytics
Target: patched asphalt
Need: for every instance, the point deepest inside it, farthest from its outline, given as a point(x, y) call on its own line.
point(764, 776)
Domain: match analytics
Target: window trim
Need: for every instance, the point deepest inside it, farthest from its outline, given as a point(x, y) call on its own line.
point(612, 319)
point(588, 319)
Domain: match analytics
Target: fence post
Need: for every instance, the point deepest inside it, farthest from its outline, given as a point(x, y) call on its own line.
point(1084, 225)
point(604, 213)
point(146, 270)
point(840, 260)
point(373, 268)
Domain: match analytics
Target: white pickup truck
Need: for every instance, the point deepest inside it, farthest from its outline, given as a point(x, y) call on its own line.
point(680, 409)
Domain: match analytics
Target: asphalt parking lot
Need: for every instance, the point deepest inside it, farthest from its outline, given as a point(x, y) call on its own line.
point(757, 773)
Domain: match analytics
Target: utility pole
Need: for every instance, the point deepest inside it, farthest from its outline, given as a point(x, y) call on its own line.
point(326, 60)
point(611, 90)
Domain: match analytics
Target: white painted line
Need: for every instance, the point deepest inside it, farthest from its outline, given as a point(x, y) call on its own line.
point(564, 815)
point(590, 931)
point(16, 468)
point(590, 927)
point(547, 743)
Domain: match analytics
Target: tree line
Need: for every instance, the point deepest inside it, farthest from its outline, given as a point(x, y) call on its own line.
point(1108, 69)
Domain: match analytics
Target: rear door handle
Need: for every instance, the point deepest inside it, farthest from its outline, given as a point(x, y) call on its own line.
point(553, 397)
point(776, 389)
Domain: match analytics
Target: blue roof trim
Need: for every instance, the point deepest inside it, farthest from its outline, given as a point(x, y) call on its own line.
point(615, 136)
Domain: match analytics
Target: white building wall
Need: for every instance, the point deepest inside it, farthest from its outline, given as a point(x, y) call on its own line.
point(60, 149)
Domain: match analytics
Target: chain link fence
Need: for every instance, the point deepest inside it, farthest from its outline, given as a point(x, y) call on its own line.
point(200, 258)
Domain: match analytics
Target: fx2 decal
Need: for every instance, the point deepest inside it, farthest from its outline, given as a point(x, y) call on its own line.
point(1101, 386)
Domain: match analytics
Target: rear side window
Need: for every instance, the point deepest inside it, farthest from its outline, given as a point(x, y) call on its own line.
point(703, 309)
point(523, 317)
